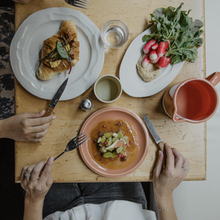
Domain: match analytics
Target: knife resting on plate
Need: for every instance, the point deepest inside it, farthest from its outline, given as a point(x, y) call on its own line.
point(56, 98)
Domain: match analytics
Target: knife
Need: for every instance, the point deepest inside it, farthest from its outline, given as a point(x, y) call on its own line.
point(56, 98)
point(154, 133)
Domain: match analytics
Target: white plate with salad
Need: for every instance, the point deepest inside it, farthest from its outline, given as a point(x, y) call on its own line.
point(171, 25)
point(27, 44)
point(132, 83)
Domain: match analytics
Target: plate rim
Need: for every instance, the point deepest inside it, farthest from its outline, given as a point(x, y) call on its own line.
point(99, 50)
point(123, 110)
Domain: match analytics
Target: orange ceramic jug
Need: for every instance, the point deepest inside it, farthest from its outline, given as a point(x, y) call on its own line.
point(195, 100)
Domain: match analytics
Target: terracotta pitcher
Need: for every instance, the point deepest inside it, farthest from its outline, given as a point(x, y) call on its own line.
point(195, 100)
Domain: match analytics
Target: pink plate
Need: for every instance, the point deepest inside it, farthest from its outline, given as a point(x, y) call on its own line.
point(142, 138)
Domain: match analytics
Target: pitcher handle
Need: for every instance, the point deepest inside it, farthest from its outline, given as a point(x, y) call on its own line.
point(214, 78)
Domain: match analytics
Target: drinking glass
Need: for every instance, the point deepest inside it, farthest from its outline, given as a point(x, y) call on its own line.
point(114, 33)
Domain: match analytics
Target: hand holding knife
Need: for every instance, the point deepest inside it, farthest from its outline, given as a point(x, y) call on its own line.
point(56, 98)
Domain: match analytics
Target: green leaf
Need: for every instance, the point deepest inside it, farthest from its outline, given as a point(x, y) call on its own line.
point(159, 27)
point(196, 25)
point(189, 11)
point(146, 38)
point(62, 52)
point(169, 12)
point(199, 42)
point(198, 33)
point(175, 60)
point(159, 12)
point(185, 22)
point(183, 39)
point(178, 13)
point(177, 52)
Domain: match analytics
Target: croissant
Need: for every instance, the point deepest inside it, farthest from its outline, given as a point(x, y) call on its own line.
point(53, 64)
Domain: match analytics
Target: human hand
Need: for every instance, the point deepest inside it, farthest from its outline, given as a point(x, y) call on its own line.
point(165, 180)
point(31, 127)
point(36, 180)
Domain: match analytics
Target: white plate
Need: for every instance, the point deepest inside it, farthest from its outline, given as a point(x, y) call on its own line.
point(27, 43)
point(132, 83)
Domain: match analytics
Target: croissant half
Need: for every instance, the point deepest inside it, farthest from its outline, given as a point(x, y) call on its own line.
point(48, 70)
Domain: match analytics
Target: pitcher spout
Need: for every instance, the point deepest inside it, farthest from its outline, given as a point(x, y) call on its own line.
point(177, 118)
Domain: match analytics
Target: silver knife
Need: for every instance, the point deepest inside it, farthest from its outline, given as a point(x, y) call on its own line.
point(154, 133)
point(56, 98)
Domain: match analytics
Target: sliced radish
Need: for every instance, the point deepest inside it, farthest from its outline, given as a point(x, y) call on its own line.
point(153, 55)
point(161, 50)
point(148, 46)
point(155, 61)
point(146, 61)
point(164, 61)
point(155, 46)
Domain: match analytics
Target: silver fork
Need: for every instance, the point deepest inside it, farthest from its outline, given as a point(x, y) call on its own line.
point(74, 143)
point(79, 3)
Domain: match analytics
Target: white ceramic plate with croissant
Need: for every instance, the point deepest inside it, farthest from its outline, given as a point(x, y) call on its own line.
point(27, 44)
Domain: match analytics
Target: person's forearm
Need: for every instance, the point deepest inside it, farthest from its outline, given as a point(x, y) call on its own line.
point(166, 210)
point(33, 210)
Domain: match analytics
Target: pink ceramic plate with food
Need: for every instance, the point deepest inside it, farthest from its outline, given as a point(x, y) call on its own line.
point(125, 144)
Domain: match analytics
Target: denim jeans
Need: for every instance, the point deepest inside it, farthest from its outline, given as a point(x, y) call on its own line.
point(64, 196)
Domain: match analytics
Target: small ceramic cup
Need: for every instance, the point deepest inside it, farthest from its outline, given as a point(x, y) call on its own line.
point(107, 88)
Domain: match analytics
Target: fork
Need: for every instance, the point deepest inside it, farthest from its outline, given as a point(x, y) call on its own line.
point(74, 143)
point(79, 3)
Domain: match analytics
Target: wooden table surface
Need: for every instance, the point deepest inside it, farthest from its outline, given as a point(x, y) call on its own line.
point(189, 139)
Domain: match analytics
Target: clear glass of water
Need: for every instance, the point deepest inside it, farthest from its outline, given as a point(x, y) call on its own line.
point(114, 33)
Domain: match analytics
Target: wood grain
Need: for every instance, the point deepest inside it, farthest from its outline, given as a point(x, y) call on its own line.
point(189, 139)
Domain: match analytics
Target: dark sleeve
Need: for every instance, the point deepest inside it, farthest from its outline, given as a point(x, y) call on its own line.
point(6, 3)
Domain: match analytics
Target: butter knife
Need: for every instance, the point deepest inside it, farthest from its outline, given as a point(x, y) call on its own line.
point(154, 133)
point(56, 98)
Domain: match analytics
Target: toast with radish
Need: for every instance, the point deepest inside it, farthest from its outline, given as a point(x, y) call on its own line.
point(147, 70)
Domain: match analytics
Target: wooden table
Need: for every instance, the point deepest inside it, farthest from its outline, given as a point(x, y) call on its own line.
point(189, 139)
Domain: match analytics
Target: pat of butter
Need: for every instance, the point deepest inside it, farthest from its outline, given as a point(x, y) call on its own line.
point(55, 63)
